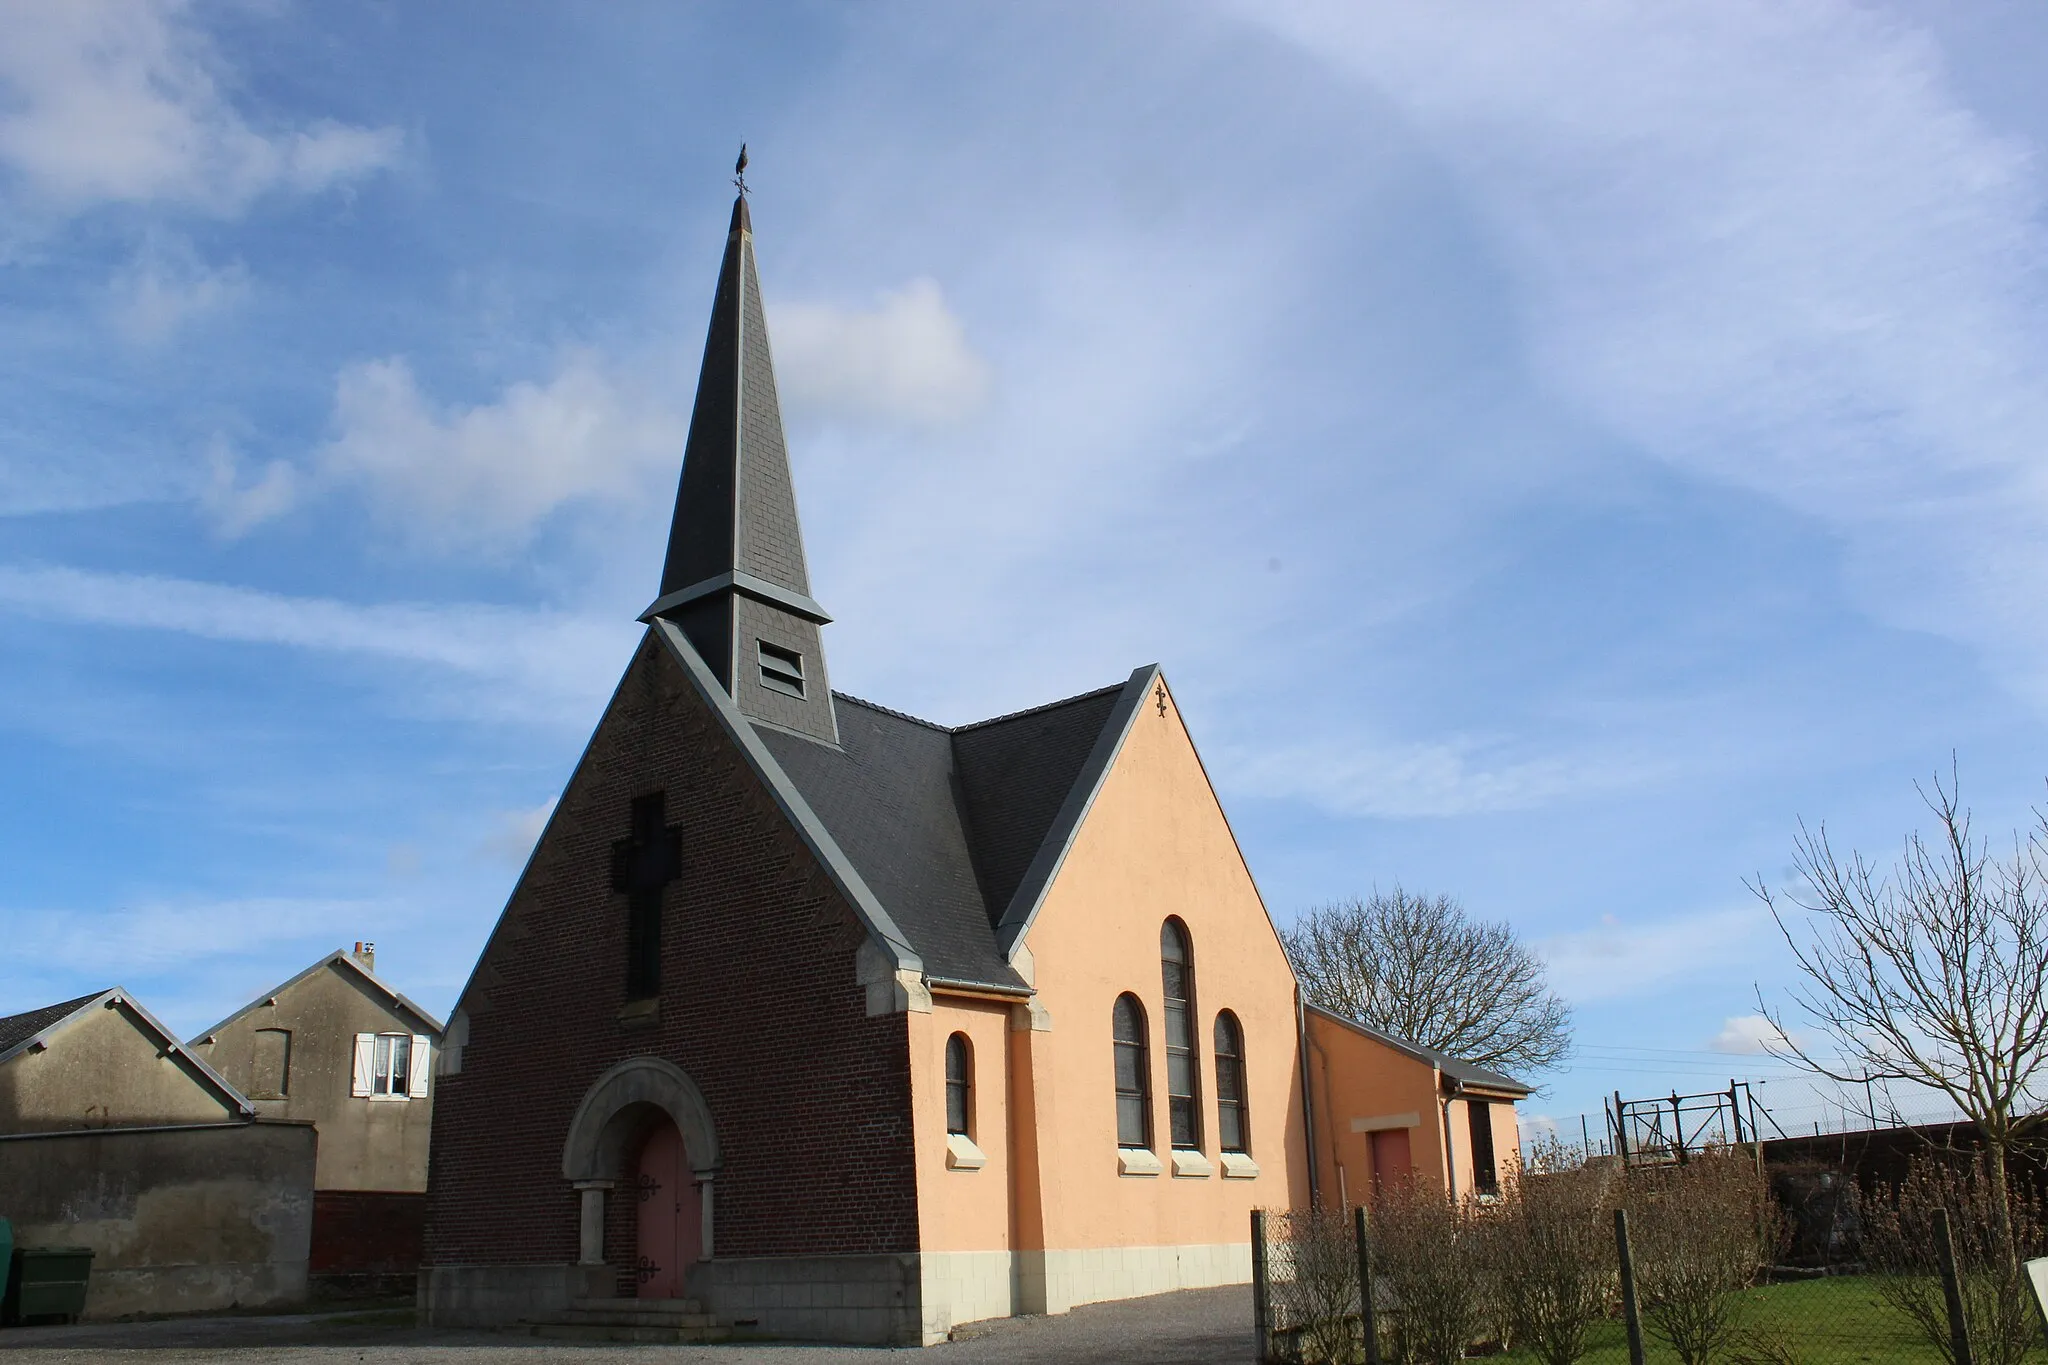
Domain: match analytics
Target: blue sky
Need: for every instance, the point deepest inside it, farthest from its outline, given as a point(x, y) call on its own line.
point(1551, 450)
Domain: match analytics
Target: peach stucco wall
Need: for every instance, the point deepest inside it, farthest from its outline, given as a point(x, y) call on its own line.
point(1358, 1078)
point(1507, 1140)
point(962, 1210)
point(1154, 844)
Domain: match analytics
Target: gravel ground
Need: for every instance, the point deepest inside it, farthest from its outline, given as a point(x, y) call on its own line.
point(1196, 1327)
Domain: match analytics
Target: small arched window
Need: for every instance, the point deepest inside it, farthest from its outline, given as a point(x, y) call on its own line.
point(959, 1085)
point(1133, 1075)
point(1183, 1065)
point(1233, 1106)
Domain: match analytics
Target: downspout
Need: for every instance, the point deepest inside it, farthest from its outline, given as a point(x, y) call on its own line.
point(1308, 1104)
point(1450, 1158)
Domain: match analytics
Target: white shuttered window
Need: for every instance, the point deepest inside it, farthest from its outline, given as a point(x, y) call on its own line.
point(366, 1060)
point(416, 1084)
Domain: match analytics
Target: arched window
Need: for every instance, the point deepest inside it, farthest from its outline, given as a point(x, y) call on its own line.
point(1183, 1066)
point(1233, 1106)
point(1133, 1075)
point(959, 1085)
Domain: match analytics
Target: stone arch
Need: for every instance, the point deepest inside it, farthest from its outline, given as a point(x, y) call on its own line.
point(614, 1112)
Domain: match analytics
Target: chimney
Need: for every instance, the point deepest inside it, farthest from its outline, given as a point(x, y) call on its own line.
point(366, 953)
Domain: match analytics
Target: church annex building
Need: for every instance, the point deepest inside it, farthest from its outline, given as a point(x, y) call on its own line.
point(847, 1025)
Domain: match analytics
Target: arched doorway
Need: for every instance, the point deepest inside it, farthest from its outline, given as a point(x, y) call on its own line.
point(608, 1147)
point(671, 1213)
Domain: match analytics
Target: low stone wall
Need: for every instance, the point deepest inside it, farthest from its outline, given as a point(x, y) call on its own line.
point(180, 1219)
point(496, 1295)
point(870, 1300)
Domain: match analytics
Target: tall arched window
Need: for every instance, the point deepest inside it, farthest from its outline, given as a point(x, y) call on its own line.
point(1233, 1106)
point(959, 1085)
point(1133, 1075)
point(1183, 1069)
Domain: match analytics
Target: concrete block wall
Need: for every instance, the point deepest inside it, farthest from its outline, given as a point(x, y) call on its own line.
point(180, 1220)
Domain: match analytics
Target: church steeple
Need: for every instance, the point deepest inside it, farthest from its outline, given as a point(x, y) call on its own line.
point(735, 580)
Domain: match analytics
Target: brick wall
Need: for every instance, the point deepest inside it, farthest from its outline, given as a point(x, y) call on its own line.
point(759, 1005)
point(360, 1231)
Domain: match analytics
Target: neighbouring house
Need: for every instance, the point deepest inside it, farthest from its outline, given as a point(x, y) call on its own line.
point(115, 1136)
point(844, 1023)
point(1386, 1109)
point(339, 1048)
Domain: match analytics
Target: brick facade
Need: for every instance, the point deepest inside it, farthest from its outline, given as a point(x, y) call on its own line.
point(366, 1240)
point(759, 1005)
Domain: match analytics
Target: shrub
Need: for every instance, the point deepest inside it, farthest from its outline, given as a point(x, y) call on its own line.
point(1552, 1245)
point(1990, 1241)
point(1422, 1247)
point(1700, 1232)
point(1314, 1284)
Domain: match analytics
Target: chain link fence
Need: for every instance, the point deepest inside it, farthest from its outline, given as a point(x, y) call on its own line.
point(1693, 1264)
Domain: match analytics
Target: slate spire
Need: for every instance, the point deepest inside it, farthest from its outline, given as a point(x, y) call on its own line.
point(734, 579)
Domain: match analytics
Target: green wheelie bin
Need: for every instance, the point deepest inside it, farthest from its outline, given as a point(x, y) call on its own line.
point(47, 1283)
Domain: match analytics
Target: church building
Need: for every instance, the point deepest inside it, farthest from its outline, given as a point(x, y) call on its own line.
point(832, 1022)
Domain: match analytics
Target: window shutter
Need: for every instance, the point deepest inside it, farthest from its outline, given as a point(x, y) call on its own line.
point(416, 1083)
point(366, 1060)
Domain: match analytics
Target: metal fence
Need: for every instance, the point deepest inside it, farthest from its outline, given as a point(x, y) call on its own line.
point(1656, 1298)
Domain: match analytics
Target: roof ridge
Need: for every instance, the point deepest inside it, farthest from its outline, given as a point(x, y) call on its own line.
point(976, 724)
point(892, 711)
point(1044, 706)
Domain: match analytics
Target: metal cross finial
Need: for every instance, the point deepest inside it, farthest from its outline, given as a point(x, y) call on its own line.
point(739, 170)
point(1159, 696)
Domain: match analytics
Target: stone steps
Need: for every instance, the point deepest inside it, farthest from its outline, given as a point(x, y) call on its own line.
point(667, 1321)
point(618, 1331)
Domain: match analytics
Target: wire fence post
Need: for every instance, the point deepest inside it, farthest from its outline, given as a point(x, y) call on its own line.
point(1629, 1314)
point(1368, 1323)
point(1262, 1321)
point(1952, 1290)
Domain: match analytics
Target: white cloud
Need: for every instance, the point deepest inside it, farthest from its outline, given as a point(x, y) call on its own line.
point(1449, 778)
point(1768, 244)
point(515, 832)
point(235, 505)
point(907, 359)
point(153, 935)
point(168, 286)
point(1749, 1035)
point(1617, 960)
point(552, 666)
point(109, 101)
point(487, 475)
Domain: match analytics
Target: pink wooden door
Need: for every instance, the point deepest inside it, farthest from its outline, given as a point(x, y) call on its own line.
point(1390, 1157)
point(671, 1227)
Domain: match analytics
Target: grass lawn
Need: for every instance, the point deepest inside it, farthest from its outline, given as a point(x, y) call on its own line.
point(1836, 1321)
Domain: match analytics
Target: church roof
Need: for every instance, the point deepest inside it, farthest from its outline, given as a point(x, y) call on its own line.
point(735, 525)
point(944, 840)
point(944, 823)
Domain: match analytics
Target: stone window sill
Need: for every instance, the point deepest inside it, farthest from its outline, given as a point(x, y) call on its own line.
point(962, 1154)
point(1238, 1166)
point(1137, 1161)
point(1191, 1165)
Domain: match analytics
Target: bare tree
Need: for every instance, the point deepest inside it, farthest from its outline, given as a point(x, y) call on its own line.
point(1420, 968)
point(1935, 974)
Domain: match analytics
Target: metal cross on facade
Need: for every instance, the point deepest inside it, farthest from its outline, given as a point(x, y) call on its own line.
point(1159, 696)
point(643, 864)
